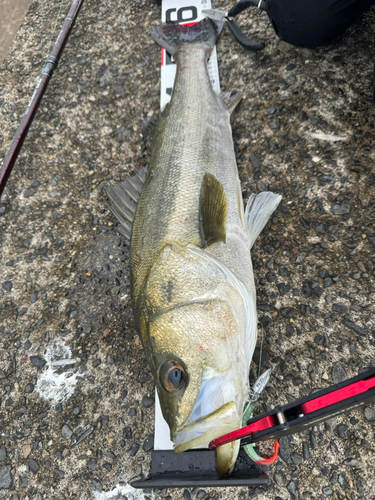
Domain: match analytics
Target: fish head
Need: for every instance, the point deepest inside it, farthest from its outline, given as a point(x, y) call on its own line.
point(195, 322)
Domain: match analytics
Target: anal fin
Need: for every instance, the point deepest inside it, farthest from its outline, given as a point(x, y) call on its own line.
point(259, 209)
point(213, 211)
point(122, 199)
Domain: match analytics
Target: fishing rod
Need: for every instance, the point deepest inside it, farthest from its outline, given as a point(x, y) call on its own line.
point(49, 67)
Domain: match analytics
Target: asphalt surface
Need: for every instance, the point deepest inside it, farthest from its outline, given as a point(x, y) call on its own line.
point(64, 269)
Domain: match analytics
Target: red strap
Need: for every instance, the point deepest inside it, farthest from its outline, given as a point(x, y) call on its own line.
point(271, 460)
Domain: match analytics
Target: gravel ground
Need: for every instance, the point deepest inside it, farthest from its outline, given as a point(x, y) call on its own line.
point(87, 429)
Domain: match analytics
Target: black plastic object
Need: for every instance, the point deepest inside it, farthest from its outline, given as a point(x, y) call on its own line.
point(297, 421)
point(242, 38)
point(313, 23)
point(245, 4)
point(197, 468)
point(238, 34)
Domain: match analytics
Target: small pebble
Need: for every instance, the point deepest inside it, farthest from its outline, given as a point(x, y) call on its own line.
point(148, 444)
point(280, 479)
point(327, 491)
point(124, 393)
point(133, 450)
point(306, 450)
point(29, 388)
point(284, 449)
point(148, 401)
point(201, 494)
point(338, 373)
point(6, 478)
point(60, 472)
point(59, 408)
point(187, 495)
point(293, 490)
point(8, 285)
point(66, 431)
point(340, 209)
point(353, 462)
point(38, 361)
point(340, 308)
point(369, 413)
point(327, 282)
point(342, 429)
point(297, 458)
point(307, 290)
point(91, 464)
point(34, 466)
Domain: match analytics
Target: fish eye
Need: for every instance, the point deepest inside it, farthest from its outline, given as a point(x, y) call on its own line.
point(172, 375)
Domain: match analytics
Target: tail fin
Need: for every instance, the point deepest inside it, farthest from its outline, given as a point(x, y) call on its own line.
point(172, 36)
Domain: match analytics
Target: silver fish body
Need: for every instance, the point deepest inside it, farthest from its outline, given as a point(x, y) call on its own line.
point(193, 288)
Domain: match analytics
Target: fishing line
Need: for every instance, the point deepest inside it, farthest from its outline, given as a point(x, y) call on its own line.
point(248, 413)
point(260, 351)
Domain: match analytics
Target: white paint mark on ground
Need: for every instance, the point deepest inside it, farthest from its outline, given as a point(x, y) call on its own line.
point(327, 137)
point(122, 493)
point(57, 383)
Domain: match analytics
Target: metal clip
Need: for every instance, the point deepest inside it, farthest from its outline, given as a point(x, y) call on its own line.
point(260, 385)
point(215, 15)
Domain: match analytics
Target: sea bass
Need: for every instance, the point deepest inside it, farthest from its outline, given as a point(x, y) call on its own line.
point(192, 282)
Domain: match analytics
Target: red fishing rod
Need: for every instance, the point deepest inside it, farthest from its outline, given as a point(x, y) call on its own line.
point(49, 68)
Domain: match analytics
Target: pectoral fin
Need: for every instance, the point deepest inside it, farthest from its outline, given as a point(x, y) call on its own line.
point(122, 200)
point(259, 209)
point(213, 211)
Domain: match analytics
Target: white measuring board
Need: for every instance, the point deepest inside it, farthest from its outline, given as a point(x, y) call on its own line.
point(162, 440)
point(183, 11)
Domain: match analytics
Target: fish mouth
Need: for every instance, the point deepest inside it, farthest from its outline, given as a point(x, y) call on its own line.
point(203, 430)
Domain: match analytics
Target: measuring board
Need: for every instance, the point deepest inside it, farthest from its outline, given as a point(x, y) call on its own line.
point(183, 12)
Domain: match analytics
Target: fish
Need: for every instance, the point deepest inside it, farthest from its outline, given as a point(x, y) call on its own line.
point(192, 283)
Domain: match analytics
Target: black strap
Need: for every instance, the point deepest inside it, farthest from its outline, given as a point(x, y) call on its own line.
point(245, 4)
point(242, 38)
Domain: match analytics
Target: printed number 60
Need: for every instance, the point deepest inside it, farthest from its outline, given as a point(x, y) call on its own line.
point(180, 16)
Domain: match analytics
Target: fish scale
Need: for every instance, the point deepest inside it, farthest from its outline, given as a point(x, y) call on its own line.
point(194, 138)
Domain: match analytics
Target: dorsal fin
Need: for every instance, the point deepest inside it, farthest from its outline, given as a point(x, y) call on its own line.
point(149, 126)
point(122, 199)
point(213, 211)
